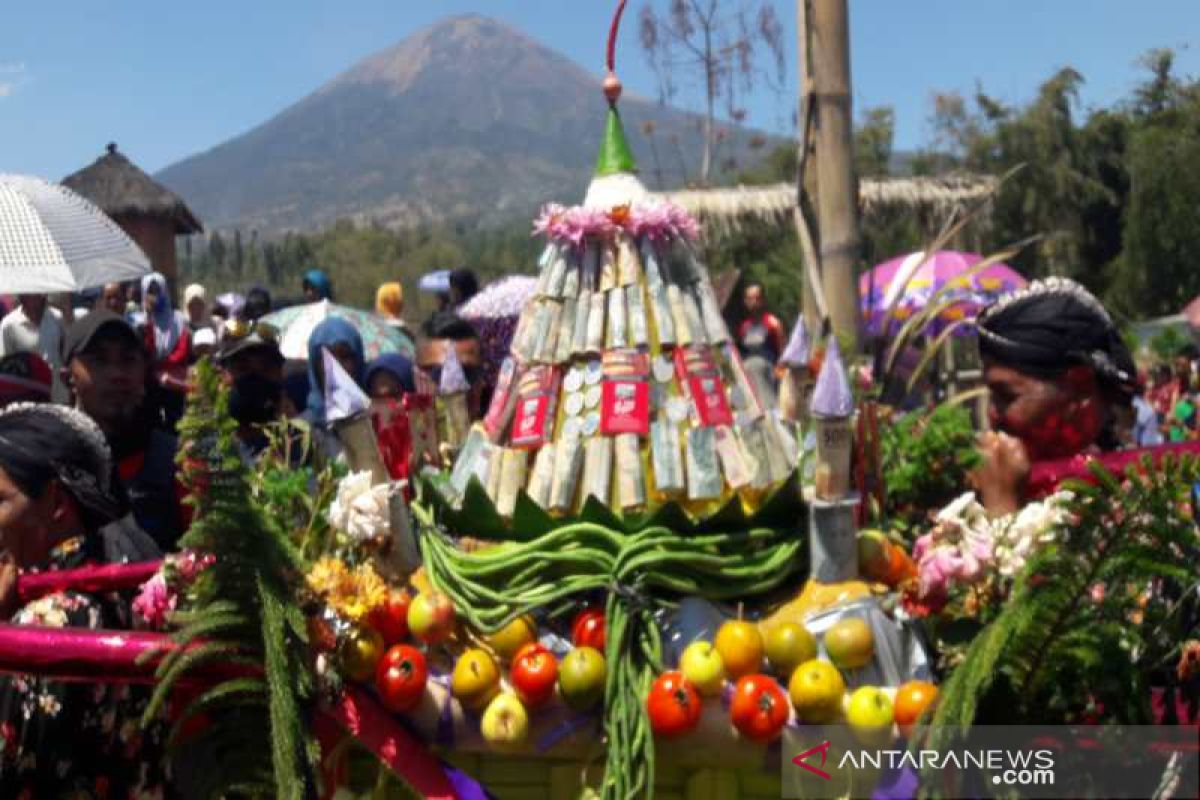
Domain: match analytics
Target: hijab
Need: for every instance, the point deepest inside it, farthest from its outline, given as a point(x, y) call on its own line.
point(163, 320)
point(389, 301)
point(320, 281)
point(395, 365)
point(329, 333)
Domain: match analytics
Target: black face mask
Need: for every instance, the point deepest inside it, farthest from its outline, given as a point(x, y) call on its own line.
point(254, 399)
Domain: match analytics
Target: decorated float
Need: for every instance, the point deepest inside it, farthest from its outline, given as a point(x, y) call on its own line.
point(630, 578)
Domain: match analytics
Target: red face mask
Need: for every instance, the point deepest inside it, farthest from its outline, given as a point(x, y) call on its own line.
point(1063, 433)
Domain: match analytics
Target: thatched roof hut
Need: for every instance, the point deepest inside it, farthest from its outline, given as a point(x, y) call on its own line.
point(932, 199)
point(149, 212)
point(121, 189)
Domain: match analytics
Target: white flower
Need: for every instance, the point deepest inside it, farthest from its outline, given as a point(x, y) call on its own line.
point(49, 704)
point(360, 510)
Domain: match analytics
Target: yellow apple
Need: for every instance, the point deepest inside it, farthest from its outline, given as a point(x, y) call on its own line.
point(512, 637)
point(476, 679)
point(703, 666)
point(816, 689)
point(505, 723)
point(870, 715)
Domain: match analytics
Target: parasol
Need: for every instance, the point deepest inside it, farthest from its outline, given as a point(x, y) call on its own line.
point(53, 240)
point(494, 312)
point(437, 282)
point(296, 325)
point(907, 284)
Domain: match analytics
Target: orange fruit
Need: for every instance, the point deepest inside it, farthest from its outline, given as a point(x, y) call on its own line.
point(912, 699)
point(900, 566)
point(741, 648)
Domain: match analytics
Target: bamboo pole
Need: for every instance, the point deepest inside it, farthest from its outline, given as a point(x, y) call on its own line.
point(837, 209)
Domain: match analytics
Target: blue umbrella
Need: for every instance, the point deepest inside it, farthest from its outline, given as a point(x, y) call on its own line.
point(437, 282)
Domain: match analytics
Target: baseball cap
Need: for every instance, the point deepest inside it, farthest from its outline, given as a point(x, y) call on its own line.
point(97, 323)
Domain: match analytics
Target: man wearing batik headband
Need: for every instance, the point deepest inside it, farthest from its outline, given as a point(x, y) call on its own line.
point(1059, 378)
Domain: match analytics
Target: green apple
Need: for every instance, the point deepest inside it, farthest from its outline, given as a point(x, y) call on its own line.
point(789, 644)
point(850, 643)
point(476, 679)
point(431, 617)
point(870, 715)
point(581, 678)
point(505, 723)
point(816, 689)
point(702, 665)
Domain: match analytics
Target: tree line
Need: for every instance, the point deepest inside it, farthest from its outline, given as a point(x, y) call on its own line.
point(1114, 193)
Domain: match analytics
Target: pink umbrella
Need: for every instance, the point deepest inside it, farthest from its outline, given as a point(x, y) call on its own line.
point(907, 284)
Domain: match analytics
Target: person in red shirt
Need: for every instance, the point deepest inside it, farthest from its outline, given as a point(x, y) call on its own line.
point(760, 340)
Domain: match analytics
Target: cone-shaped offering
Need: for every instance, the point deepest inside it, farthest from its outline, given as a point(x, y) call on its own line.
point(832, 407)
point(623, 383)
point(452, 400)
point(796, 385)
point(346, 409)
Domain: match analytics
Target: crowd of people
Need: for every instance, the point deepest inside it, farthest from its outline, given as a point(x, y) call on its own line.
point(89, 402)
point(90, 398)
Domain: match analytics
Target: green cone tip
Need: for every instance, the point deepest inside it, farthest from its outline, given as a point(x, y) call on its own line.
point(615, 155)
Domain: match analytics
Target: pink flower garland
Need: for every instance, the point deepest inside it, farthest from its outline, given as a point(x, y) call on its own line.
point(654, 220)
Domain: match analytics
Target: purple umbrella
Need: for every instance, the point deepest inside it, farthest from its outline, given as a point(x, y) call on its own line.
point(907, 284)
point(494, 312)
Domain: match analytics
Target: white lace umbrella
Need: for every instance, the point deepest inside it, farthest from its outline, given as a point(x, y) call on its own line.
point(53, 240)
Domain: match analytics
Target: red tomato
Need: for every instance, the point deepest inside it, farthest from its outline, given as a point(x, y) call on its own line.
point(673, 705)
point(759, 708)
point(400, 677)
point(534, 674)
point(588, 629)
point(391, 618)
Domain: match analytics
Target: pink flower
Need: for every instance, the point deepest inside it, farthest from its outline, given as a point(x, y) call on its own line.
point(155, 601)
point(189, 564)
point(660, 220)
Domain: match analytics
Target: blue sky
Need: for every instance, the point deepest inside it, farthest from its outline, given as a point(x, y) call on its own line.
point(166, 80)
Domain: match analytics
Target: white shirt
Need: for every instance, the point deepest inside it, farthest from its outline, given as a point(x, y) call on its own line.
point(18, 334)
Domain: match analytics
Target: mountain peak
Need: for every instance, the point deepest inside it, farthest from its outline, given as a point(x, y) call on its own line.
point(467, 119)
point(471, 45)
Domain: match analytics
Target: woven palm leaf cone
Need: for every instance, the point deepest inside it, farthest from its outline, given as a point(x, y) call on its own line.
point(598, 369)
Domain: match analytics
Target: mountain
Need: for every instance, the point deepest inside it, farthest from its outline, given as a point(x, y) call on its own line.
point(468, 119)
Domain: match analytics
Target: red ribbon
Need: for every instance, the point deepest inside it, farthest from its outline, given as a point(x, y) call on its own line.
point(358, 714)
point(1046, 476)
point(79, 655)
point(94, 579)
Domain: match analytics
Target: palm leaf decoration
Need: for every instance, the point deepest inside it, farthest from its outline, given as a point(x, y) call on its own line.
point(1095, 620)
point(252, 739)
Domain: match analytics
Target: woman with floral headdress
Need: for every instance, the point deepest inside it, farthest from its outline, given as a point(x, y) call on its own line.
point(60, 509)
point(1060, 380)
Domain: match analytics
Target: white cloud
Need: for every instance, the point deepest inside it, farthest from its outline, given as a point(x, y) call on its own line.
point(11, 76)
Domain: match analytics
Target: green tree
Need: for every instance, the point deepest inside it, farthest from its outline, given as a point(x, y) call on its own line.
point(873, 142)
